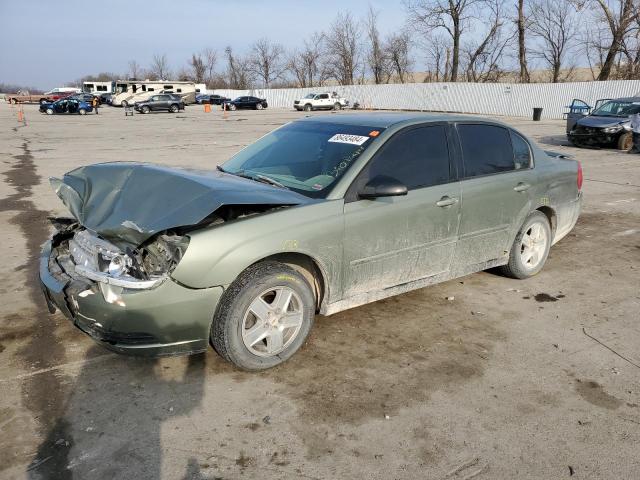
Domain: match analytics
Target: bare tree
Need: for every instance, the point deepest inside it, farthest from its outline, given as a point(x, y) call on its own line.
point(376, 57)
point(522, 46)
point(436, 59)
point(267, 61)
point(397, 49)
point(343, 49)
point(135, 70)
point(198, 68)
point(210, 60)
point(306, 63)
point(452, 16)
point(483, 58)
point(237, 70)
point(160, 67)
point(553, 24)
point(619, 16)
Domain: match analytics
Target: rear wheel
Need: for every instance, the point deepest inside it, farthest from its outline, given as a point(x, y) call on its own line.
point(264, 317)
point(337, 106)
point(259, 106)
point(625, 141)
point(145, 109)
point(232, 106)
point(530, 249)
point(14, 101)
point(174, 108)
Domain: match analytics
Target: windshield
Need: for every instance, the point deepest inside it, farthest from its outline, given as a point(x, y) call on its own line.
point(307, 157)
point(616, 108)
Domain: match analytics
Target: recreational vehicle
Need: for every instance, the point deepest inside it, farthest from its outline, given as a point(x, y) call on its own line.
point(98, 88)
point(128, 92)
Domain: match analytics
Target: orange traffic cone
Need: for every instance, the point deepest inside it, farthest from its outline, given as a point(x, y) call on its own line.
point(207, 108)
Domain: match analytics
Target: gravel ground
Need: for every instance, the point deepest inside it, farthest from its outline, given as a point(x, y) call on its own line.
point(511, 379)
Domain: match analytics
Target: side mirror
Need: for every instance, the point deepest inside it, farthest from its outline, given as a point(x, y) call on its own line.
point(382, 186)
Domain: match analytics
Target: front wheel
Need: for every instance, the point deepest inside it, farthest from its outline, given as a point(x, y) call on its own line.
point(146, 109)
point(49, 111)
point(307, 108)
point(530, 249)
point(82, 111)
point(264, 317)
point(625, 141)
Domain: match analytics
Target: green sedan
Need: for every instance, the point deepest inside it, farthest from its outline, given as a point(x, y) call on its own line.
point(321, 215)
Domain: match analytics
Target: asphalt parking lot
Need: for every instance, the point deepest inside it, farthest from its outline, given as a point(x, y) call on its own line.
point(508, 379)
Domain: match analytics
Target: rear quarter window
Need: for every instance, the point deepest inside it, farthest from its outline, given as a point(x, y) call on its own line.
point(521, 151)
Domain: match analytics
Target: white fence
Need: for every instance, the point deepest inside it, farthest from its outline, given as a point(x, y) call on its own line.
point(506, 99)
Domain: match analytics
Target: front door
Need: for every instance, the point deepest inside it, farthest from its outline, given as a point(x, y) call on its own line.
point(497, 183)
point(394, 240)
point(577, 110)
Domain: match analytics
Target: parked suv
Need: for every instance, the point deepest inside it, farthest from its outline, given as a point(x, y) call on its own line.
point(321, 101)
point(164, 101)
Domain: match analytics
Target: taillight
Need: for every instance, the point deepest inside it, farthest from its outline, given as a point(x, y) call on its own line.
point(580, 178)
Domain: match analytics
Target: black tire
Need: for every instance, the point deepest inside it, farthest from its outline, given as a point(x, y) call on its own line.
point(516, 268)
point(625, 141)
point(307, 107)
point(226, 328)
point(145, 109)
point(124, 104)
point(174, 108)
point(14, 101)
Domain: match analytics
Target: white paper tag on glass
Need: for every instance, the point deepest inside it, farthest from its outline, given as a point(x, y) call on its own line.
point(346, 138)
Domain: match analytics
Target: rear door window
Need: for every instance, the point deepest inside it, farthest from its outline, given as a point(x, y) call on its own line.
point(486, 149)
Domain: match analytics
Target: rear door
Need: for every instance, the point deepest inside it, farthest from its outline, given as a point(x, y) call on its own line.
point(497, 182)
point(395, 240)
point(577, 110)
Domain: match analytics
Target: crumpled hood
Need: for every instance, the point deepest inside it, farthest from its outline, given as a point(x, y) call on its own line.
point(131, 202)
point(602, 122)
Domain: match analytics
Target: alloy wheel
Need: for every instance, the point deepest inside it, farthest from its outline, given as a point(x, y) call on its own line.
point(533, 246)
point(272, 321)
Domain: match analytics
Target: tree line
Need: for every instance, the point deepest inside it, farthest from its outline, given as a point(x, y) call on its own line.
point(442, 40)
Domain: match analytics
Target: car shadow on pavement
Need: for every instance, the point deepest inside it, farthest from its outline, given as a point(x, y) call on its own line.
point(110, 425)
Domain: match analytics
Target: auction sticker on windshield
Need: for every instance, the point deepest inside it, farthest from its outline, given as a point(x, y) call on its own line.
point(346, 138)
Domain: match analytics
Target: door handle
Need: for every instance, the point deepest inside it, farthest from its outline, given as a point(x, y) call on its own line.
point(447, 201)
point(522, 187)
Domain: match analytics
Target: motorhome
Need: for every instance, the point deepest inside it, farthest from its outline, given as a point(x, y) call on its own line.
point(98, 88)
point(128, 92)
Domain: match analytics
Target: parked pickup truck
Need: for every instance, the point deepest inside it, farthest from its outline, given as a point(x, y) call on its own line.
point(320, 101)
point(23, 96)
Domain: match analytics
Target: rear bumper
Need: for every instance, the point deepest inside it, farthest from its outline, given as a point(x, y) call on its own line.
point(167, 320)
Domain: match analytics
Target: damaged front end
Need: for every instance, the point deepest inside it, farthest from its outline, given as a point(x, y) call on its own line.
point(109, 268)
point(124, 298)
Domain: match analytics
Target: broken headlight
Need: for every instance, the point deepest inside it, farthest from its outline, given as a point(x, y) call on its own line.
point(614, 129)
point(141, 268)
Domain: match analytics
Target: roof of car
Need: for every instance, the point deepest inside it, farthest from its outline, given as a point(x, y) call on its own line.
point(387, 119)
point(627, 99)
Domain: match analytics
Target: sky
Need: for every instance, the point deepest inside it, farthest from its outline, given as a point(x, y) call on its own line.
point(46, 44)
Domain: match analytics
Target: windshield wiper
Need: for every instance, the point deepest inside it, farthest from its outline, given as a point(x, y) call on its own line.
point(256, 178)
point(265, 179)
